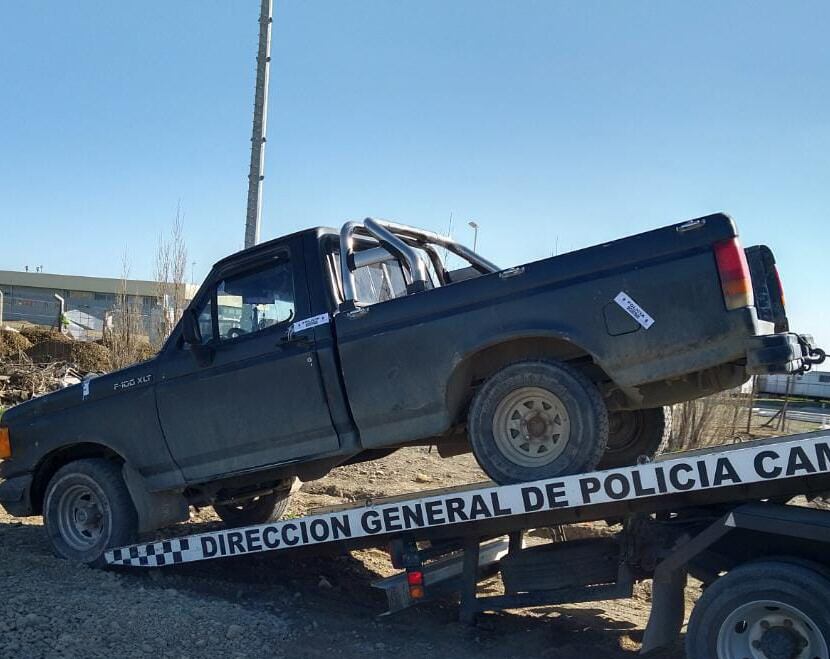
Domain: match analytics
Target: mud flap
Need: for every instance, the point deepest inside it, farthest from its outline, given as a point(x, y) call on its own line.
point(155, 509)
point(668, 609)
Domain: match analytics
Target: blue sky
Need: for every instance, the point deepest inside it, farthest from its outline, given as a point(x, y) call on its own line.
point(546, 122)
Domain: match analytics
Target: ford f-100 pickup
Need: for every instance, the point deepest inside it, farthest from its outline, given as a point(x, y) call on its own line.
point(324, 348)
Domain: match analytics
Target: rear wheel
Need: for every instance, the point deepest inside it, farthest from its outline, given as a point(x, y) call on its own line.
point(635, 433)
point(764, 610)
point(256, 510)
point(87, 509)
point(536, 419)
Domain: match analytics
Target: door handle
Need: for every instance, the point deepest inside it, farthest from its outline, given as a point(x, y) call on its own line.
point(301, 340)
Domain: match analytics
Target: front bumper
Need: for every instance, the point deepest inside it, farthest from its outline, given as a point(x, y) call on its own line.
point(786, 353)
point(15, 495)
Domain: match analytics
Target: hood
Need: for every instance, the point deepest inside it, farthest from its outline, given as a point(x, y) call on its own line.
point(89, 390)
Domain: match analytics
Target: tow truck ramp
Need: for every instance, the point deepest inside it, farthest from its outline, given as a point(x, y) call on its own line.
point(702, 512)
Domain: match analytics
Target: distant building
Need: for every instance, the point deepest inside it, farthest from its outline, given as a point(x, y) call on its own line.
point(30, 297)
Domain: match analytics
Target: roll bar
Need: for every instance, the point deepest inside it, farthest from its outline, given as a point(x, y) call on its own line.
point(398, 241)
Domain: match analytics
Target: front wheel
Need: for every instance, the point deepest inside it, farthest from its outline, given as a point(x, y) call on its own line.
point(765, 610)
point(256, 510)
point(537, 419)
point(87, 509)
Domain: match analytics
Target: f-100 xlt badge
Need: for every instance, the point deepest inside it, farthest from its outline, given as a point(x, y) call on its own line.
point(126, 384)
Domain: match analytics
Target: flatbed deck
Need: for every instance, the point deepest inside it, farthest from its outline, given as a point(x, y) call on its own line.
point(774, 469)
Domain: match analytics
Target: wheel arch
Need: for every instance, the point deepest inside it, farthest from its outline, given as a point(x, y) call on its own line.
point(57, 458)
point(487, 358)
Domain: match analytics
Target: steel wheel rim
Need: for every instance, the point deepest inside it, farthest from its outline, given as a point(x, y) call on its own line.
point(766, 629)
point(81, 517)
point(531, 426)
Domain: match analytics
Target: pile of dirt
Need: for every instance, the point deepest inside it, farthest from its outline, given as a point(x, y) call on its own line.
point(13, 344)
point(47, 344)
point(89, 357)
point(38, 333)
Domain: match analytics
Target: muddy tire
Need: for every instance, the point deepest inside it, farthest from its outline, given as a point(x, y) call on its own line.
point(768, 608)
point(636, 433)
point(258, 510)
point(87, 509)
point(537, 419)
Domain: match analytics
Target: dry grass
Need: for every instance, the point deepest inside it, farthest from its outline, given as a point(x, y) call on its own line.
point(725, 418)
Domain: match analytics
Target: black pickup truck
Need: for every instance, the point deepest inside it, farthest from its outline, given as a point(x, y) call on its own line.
point(324, 348)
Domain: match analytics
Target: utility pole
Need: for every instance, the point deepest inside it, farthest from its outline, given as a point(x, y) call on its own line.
point(256, 173)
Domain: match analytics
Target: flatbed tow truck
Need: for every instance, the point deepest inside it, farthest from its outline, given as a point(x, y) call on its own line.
point(722, 515)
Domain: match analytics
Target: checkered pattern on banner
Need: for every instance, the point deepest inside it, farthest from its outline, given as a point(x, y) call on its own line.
point(166, 552)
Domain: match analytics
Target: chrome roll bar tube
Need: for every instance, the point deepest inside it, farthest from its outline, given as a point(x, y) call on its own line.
point(394, 242)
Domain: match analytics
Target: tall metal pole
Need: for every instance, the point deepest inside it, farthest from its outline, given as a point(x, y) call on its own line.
point(256, 174)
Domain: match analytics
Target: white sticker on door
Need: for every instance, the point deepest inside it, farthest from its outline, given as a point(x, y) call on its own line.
point(308, 323)
point(634, 310)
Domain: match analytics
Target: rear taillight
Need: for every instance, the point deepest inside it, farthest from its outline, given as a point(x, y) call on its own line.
point(735, 279)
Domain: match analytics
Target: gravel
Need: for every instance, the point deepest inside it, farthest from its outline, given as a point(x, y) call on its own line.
point(278, 604)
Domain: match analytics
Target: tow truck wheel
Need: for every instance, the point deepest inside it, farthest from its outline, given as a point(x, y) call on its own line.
point(764, 610)
point(535, 420)
point(87, 509)
point(257, 510)
point(635, 433)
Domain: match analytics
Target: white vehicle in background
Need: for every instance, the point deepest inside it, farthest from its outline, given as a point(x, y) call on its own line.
point(813, 384)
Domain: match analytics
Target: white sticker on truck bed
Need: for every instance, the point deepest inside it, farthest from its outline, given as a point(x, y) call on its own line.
point(735, 467)
point(308, 323)
point(634, 310)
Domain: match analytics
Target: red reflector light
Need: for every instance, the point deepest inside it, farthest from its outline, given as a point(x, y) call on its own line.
point(733, 269)
point(415, 578)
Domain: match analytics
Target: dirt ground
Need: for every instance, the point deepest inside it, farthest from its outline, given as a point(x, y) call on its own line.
point(281, 605)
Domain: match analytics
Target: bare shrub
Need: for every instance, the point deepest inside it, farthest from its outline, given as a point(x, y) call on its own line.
point(171, 286)
point(123, 336)
point(710, 421)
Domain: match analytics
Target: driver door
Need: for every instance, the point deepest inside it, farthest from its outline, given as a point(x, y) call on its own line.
point(259, 401)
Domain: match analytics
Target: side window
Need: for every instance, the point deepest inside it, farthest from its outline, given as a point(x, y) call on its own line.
point(255, 300)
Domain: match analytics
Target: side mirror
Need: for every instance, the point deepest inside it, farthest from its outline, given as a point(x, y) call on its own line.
point(192, 334)
point(191, 331)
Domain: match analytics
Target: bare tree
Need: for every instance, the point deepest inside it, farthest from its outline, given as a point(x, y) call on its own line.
point(122, 336)
point(170, 274)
